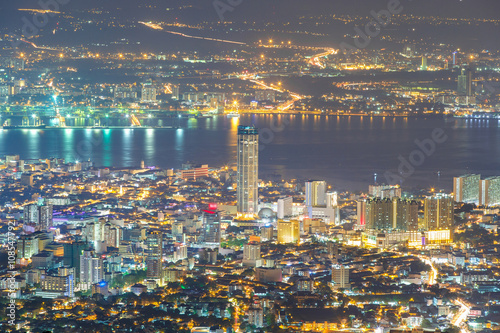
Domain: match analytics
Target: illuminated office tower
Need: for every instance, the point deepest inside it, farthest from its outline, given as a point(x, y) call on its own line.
point(72, 252)
point(438, 212)
point(154, 242)
point(288, 231)
point(464, 87)
point(248, 170)
point(316, 193)
point(466, 188)
point(211, 227)
point(424, 64)
point(340, 277)
point(489, 191)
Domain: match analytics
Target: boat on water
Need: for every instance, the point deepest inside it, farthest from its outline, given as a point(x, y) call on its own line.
point(23, 127)
point(199, 116)
point(233, 115)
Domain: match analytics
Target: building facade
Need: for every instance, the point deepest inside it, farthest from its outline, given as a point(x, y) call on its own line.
point(248, 170)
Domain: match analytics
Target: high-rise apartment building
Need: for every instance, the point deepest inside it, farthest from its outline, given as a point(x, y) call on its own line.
point(148, 93)
point(489, 191)
point(37, 218)
point(285, 207)
point(438, 212)
point(387, 214)
point(405, 214)
point(91, 269)
point(153, 267)
point(379, 214)
point(385, 191)
point(340, 277)
point(248, 170)
point(316, 193)
point(321, 204)
point(175, 91)
point(466, 188)
point(27, 246)
point(251, 254)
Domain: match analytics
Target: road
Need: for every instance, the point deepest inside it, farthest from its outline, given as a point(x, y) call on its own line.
point(314, 61)
point(282, 107)
point(461, 315)
point(159, 27)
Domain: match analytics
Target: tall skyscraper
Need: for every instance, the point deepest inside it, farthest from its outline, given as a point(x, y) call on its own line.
point(288, 231)
point(464, 87)
point(248, 170)
point(72, 253)
point(424, 63)
point(438, 212)
point(489, 191)
point(154, 241)
point(211, 227)
point(466, 188)
point(316, 193)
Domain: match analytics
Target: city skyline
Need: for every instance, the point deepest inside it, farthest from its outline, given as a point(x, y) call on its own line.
point(232, 166)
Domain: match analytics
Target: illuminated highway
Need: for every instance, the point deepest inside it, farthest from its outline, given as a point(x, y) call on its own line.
point(282, 107)
point(314, 61)
point(158, 27)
